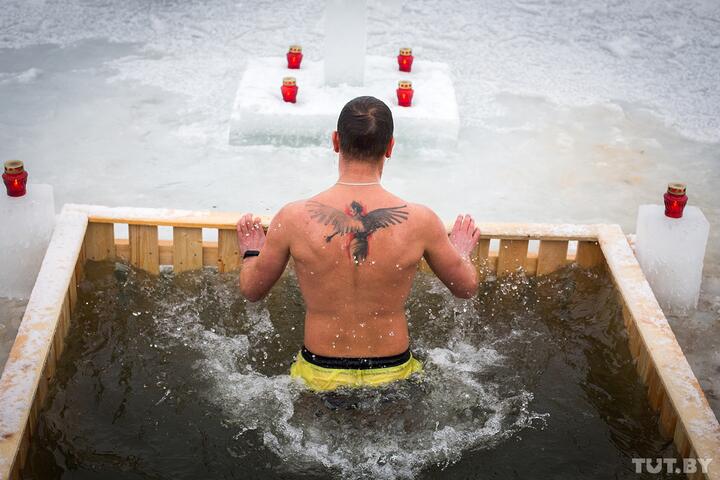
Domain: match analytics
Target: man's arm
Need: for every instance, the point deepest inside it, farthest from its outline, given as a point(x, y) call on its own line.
point(258, 274)
point(449, 257)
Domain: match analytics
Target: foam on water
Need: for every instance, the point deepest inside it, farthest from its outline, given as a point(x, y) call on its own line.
point(357, 434)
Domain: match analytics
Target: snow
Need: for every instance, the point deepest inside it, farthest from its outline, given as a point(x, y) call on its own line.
point(261, 116)
point(671, 252)
point(27, 223)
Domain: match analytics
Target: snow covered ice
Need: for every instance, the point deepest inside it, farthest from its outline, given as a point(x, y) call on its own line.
point(261, 116)
point(27, 224)
point(671, 252)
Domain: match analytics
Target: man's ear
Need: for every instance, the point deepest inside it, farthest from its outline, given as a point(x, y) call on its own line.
point(391, 145)
point(336, 141)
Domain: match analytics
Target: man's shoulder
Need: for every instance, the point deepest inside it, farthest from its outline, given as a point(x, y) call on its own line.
point(423, 212)
point(290, 210)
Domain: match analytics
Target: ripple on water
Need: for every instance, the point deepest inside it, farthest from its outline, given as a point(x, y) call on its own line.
point(187, 378)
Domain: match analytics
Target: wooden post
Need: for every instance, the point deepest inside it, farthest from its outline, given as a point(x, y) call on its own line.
point(512, 256)
point(589, 254)
point(228, 254)
point(480, 258)
point(552, 256)
point(668, 421)
point(187, 249)
point(100, 241)
point(144, 247)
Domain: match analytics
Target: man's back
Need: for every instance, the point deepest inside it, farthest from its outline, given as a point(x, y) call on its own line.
point(356, 251)
point(356, 248)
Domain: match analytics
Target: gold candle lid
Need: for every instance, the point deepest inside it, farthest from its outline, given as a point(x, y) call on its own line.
point(406, 51)
point(405, 84)
point(295, 49)
point(14, 166)
point(289, 81)
point(676, 188)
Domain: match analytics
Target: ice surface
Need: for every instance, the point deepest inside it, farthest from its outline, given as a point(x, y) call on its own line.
point(671, 253)
point(345, 42)
point(27, 223)
point(261, 116)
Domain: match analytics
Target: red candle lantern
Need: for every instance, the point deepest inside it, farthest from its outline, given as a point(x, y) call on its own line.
point(289, 89)
point(405, 59)
point(405, 93)
point(15, 178)
point(675, 200)
point(294, 56)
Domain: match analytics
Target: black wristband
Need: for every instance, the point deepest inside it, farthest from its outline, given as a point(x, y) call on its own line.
point(251, 253)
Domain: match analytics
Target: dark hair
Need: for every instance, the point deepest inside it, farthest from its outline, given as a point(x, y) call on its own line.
point(365, 127)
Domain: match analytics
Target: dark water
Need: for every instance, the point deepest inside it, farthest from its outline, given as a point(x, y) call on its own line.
point(177, 377)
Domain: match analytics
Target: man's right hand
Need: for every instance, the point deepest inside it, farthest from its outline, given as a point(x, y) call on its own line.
point(464, 235)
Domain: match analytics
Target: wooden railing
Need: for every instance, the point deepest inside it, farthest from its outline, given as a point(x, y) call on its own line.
point(87, 232)
point(558, 245)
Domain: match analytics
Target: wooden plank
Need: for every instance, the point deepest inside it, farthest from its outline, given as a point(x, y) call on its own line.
point(228, 254)
point(187, 249)
point(656, 393)
point(210, 254)
point(668, 420)
point(511, 256)
point(680, 439)
point(144, 248)
point(531, 264)
point(80, 265)
point(24, 445)
point(165, 250)
point(100, 241)
point(65, 316)
point(589, 254)
point(122, 249)
point(228, 220)
point(552, 256)
point(480, 258)
point(684, 403)
point(73, 291)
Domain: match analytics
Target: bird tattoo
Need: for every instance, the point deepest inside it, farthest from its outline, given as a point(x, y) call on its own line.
point(357, 223)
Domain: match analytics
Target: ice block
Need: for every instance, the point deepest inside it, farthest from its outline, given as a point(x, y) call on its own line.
point(345, 39)
point(671, 253)
point(27, 224)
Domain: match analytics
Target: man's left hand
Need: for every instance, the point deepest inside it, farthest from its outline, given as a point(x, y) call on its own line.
point(251, 235)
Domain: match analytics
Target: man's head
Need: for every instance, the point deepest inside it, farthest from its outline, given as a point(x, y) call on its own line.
point(364, 130)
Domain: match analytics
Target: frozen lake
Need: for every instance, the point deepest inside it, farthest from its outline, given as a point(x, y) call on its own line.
point(569, 112)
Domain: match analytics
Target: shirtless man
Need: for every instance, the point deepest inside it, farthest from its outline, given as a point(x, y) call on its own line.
point(356, 249)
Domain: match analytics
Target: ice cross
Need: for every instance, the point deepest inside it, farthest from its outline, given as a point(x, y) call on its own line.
point(345, 38)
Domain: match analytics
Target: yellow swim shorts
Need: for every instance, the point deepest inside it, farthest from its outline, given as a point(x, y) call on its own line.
point(329, 373)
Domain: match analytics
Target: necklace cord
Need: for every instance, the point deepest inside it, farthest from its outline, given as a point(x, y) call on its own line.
point(357, 184)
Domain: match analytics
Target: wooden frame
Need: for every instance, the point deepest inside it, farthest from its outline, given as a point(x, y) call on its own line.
point(87, 232)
